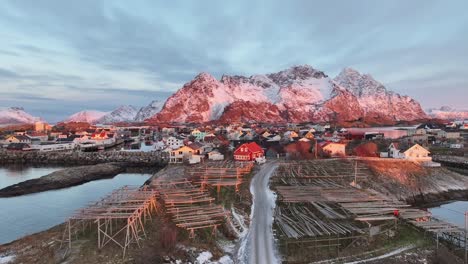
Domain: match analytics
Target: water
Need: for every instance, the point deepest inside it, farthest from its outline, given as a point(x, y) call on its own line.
point(15, 174)
point(452, 212)
point(389, 132)
point(28, 214)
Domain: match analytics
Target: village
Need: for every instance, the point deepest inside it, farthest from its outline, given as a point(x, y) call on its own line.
point(195, 144)
point(335, 186)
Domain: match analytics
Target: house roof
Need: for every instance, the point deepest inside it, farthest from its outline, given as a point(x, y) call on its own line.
point(195, 145)
point(248, 147)
point(417, 146)
point(21, 137)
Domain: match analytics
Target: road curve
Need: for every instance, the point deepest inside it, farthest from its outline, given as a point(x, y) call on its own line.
point(260, 241)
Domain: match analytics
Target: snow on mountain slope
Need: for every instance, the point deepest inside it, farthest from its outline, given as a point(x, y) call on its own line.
point(88, 116)
point(298, 94)
point(124, 113)
point(148, 111)
point(375, 100)
point(15, 115)
point(446, 112)
point(205, 98)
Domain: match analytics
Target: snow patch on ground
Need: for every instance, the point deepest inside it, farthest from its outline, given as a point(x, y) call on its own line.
point(6, 259)
point(205, 258)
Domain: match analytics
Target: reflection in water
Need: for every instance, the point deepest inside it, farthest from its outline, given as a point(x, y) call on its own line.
point(32, 213)
point(14, 174)
point(452, 212)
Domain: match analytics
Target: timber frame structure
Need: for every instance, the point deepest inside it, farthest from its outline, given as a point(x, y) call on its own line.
point(119, 217)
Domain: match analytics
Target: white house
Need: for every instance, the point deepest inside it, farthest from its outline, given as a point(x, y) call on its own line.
point(54, 146)
point(215, 155)
point(394, 150)
point(174, 143)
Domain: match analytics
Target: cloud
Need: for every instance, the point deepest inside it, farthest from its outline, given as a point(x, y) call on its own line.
point(136, 52)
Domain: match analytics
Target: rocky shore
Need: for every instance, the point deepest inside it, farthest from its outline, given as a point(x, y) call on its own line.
point(417, 185)
point(72, 158)
point(64, 178)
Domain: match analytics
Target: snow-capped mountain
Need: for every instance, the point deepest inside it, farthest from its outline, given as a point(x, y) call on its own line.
point(376, 101)
point(88, 116)
point(446, 112)
point(124, 113)
point(205, 98)
point(15, 115)
point(148, 111)
point(300, 93)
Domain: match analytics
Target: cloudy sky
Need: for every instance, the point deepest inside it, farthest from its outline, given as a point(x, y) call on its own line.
point(59, 57)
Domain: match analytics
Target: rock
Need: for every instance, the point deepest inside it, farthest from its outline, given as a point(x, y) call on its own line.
point(64, 178)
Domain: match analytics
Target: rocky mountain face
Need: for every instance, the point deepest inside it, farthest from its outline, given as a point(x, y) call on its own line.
point(376, 101)
point(15, 115)
point(297, 94)
point(124, 113)
point(446, 112)
point(148, 111)
point(88, 116)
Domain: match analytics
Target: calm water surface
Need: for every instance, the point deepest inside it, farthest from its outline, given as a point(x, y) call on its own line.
point(15, 174)
point(28, 214)
point(452, 212)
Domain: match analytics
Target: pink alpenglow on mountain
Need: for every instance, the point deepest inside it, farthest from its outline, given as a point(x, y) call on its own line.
point(448, 113)
point(15, 116)
point(297, 94)
point(88, 116)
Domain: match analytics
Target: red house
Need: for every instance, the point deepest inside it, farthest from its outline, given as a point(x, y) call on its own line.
point(248, 152)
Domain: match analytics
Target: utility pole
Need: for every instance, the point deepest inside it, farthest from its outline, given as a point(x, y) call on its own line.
point(355, 173)
point(466, 228)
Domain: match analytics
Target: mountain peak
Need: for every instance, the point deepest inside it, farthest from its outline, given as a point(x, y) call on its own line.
point(296, 73)
point(359, 84)
point(15, 115)
point(205, 77)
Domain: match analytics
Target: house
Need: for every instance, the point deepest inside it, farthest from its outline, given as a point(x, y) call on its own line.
point(266, 134)
point(309, 135)
point(99, 135)
point(41, 126)
point(394, 150)
point(334, 149)
point(194, 159)
point(418, 153)
point(274, 152)
point(248, 152)
point(416, 131)
point(174, 142)
point(197, 147)
point(70, 145)
point(215, 155)
point(38, 136)
point(180, 154)
point(448, 134)
point(274, 138)
point(18, 139)
point(19, 147)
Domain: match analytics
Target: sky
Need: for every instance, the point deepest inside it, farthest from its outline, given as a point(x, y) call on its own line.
point(59, 57)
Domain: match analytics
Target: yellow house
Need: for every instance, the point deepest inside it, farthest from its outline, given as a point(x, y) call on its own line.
point(180, 154)
point(418, 153)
